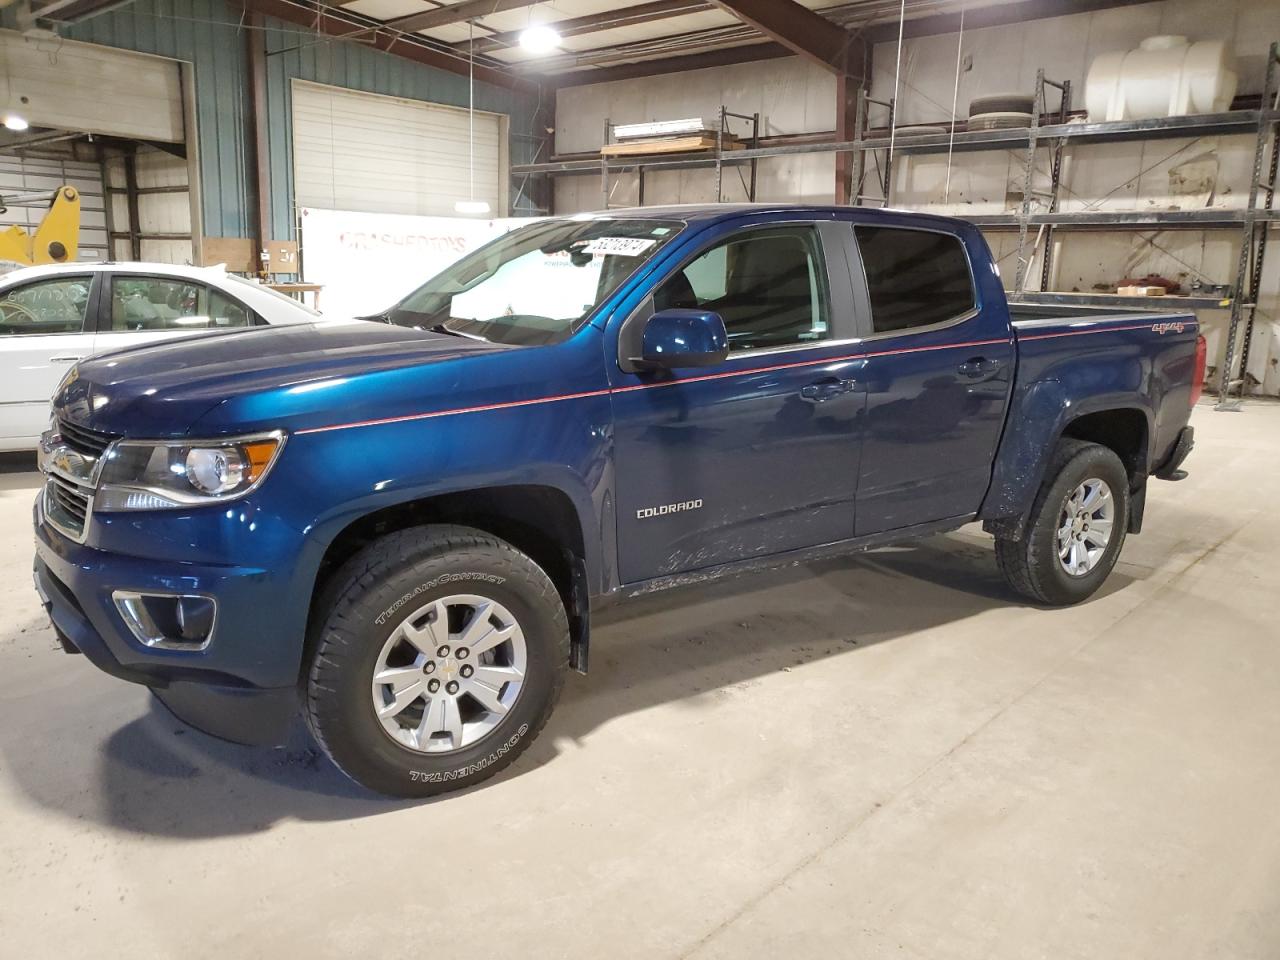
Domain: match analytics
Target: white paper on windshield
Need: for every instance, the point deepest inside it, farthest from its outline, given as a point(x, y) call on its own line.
point(619, 246)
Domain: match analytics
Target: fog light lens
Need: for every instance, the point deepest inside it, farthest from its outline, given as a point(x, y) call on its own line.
point(168, 621)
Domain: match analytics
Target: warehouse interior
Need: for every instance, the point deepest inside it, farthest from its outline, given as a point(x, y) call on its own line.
point(886, 753)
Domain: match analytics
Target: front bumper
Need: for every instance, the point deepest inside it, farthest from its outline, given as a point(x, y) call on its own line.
point(242, 687)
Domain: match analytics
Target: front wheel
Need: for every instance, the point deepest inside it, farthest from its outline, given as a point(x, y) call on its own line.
point(440, 654)
point(1076, 529)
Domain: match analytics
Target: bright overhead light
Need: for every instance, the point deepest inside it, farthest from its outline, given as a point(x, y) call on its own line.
point(540, 38)
point(14, 122)
point(471, 206)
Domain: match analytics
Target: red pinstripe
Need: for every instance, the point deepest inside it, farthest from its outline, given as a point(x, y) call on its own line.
point(1081, 333)
point(483, 408)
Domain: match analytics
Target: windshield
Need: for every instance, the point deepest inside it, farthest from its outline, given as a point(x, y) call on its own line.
point(534, 285)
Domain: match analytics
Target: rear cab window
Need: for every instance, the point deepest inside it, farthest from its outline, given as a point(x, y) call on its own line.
point(915, 278)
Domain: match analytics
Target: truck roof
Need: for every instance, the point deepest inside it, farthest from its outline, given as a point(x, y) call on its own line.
point(709, 212)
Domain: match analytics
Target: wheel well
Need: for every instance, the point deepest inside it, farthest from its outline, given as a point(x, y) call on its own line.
point(1124, 431)
point(539, 521)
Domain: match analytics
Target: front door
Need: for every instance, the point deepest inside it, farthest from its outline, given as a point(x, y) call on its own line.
point(939, 372)
point(759, 454)
point(42, 333)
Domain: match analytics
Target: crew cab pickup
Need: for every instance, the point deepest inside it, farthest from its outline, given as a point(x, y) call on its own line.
point(401, 529)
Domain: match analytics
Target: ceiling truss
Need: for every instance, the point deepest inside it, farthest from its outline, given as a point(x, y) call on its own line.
point(836, 37)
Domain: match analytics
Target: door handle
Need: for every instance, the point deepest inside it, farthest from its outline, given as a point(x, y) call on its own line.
point(822, 390)
point(979, 367)
point(64, 359)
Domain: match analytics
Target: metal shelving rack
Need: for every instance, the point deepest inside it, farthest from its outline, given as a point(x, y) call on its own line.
point(1253, 233)
point(1213, 124)
point(1253, 220)
point(718, 157)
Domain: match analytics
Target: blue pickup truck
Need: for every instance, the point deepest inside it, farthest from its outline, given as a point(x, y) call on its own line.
point(401, 529)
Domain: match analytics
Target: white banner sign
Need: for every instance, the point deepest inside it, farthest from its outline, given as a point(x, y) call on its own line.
point(369, 261)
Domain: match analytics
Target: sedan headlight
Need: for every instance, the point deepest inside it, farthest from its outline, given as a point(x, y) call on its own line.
point(163, 475)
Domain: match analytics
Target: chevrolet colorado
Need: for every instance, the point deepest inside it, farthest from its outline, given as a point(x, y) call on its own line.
point(401, 529)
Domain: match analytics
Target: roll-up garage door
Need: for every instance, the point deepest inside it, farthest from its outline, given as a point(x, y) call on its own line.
point(376, 154)
point(86, 88)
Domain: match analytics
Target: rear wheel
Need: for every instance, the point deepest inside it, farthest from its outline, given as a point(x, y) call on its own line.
point(439, 657)
point(1076, 529)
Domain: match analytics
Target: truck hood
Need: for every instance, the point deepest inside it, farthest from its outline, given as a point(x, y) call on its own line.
point(281, 373)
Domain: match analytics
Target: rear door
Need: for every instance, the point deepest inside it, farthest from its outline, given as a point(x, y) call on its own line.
point(759, 454)
point(939, 371)
point(43, 331)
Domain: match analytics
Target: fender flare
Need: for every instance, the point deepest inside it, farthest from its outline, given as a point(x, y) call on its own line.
point(1024, 453)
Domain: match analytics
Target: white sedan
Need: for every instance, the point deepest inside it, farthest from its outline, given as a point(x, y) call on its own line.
point(52, 316)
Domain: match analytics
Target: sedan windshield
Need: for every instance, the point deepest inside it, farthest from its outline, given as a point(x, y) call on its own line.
point(537, 283)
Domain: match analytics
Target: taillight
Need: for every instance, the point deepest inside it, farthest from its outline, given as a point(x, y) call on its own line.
point(1197, 378)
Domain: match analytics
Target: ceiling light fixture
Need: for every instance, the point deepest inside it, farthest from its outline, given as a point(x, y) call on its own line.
point(16, 123)
point(539, 38)
point(471, 206)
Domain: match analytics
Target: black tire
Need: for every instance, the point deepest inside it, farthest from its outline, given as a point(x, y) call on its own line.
point(361, 609)
point(1031, 565)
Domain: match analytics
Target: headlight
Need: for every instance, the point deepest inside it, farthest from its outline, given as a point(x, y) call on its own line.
point(162, 475)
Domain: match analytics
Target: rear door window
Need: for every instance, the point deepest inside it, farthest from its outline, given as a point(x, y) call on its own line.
point(157, 303)
point(915, 278)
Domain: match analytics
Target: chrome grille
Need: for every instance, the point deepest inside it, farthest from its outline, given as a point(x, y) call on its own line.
point(91, 443)
point(67, 505)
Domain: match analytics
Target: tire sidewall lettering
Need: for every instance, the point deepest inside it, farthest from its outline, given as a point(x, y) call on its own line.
point(459, 773)
point(443, 579)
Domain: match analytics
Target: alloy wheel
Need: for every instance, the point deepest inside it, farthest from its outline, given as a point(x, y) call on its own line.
point(1085, 526)
point(449, 673)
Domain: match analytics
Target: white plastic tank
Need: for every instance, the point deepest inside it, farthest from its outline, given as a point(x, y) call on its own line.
point(1165, 77)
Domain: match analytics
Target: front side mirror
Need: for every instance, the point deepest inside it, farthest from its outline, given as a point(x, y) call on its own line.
point(684, 338)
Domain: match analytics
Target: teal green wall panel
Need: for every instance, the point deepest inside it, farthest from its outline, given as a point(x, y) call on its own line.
point(209, 34)
point(206, 34)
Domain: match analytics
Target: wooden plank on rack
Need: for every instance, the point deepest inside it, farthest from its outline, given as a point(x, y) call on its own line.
point(643, 148)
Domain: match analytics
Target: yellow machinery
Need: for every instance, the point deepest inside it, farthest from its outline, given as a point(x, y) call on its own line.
point(55, 240)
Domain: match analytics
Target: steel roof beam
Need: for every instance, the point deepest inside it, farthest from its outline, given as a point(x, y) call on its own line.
point(797, 28)
point(455, 13)
point(656, 67)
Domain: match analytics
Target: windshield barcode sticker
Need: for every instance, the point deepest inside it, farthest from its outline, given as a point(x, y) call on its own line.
point(619, 246)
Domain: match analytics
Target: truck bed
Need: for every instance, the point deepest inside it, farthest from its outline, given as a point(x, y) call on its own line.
point(1024, 313)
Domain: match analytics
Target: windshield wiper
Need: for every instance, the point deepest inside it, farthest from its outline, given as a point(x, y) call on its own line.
point(441, 328)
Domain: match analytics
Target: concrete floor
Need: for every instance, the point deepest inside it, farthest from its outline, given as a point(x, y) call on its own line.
point(879, 757)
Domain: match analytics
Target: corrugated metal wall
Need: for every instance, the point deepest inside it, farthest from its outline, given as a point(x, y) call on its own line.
point(208, 34)
point(204, 33)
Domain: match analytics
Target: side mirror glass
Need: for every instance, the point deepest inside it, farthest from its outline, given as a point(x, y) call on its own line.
point(684, 338)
